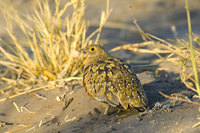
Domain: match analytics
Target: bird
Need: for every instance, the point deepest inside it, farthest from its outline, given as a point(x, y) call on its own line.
point(110, 80)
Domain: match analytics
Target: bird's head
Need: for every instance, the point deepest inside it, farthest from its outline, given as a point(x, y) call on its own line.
point(94, 51)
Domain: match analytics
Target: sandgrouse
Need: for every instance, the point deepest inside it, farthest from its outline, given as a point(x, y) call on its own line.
point(110, 80)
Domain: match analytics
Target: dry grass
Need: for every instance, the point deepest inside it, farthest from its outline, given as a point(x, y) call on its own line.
point(49, 54)
point(180, 52)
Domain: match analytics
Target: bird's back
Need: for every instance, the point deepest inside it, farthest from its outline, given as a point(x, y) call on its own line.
point(111, 80)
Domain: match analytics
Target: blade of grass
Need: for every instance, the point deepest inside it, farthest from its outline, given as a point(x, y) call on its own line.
point(191, 48)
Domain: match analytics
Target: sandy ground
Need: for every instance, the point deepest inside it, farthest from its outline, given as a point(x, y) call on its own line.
point(164, 115)
point(84, 114)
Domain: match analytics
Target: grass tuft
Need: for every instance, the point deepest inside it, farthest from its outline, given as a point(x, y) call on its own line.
point(47, 53)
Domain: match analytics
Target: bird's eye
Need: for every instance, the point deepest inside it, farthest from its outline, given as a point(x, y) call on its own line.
point(91, 49)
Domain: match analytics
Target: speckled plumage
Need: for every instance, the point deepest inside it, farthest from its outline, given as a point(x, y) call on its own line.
point(110, 80)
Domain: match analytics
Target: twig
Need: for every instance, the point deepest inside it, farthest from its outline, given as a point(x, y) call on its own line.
point(67, 103)
point(40, 124)
point(16, 107)
point(195, 125)
point(19, 129)
point(178, 98)
point(69, 120)
point(32, 128)
point(39, 96)
point(25, 108)
point(25, 92)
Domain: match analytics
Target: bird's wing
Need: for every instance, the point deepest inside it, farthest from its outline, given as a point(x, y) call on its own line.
point(125, 84)
point(97, 84)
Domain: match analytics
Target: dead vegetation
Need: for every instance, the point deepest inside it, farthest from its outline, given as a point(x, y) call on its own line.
point(177, 52)
point(48, 52)
point(186, 55)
